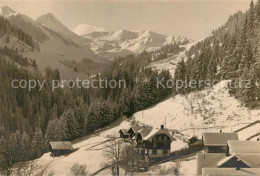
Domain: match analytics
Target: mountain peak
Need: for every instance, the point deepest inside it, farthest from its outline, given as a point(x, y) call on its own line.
point(6, 11)
point(49, 17)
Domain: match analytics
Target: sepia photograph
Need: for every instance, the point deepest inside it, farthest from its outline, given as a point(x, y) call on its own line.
point(129, 87)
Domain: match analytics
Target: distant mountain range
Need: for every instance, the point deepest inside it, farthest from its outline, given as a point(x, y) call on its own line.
point(57, 43)
point(123, 42)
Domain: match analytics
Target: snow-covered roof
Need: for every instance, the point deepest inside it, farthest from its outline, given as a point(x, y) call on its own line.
point(135, 128)
point(218, 139)
point(215, 160)
point(125, 131)
point(243, 146)
point(230, 171)
point(148, 133)
point(61, 145)
point(208, 160)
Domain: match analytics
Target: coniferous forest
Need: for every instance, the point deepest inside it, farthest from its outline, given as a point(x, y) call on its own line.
point(231, 53)
point(30, 119)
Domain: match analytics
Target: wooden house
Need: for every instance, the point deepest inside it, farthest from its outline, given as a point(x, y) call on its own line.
point(154, 144)
point(58, 148)
point(216, 142)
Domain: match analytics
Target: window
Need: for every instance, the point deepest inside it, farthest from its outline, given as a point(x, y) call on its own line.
point(154, 151)
point(165, 151)
point(160, 138)
point(165, 138)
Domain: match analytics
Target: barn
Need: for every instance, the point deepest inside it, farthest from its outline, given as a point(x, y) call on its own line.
point(216, 142)
point(58, 148)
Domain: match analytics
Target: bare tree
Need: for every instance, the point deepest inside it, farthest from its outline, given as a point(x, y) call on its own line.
point(112, 152)
point(79, 170)
point(130, 160)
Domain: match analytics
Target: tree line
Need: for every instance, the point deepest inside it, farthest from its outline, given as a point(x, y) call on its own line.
point(231, 53)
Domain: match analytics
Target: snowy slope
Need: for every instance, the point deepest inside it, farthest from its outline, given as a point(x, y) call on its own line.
point(55, 46)
point(171, 62)
point(89, 152)
point(123, 42)
point(208, 110)
point(51, 22)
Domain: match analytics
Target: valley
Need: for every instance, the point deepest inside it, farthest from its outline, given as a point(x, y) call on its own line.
point(138, 129)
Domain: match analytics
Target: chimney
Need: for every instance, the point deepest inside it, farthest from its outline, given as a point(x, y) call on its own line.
point(227, 150)
point(220, 131)
point(162, 126)
point(238, 164)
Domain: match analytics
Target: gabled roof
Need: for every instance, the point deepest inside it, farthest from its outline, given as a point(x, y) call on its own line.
point(148, 133)
point(208, 160)
point(124, 131)
point(243, 146)
point(250, 159)
point(145, 131)
point(136, 128)
point(61, 145)
point(218, 139)
point(225, 160)
point(230, 172)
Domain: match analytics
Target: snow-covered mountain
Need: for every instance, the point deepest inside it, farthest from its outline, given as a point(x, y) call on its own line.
point(7, 11)
point(84, 29)
point(51, 22)
point(56, 42)
point(123, 42)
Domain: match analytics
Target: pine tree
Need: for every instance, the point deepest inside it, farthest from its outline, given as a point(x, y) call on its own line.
point(180, 76)
point(125, 102)
point(38, 145)
point(251, 16)
point(72, 125)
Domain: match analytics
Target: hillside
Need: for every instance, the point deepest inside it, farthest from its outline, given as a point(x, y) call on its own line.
point(52, 46)
point(208, 110)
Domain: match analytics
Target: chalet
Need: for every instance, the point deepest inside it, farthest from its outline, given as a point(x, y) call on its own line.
point(217, 142)
point(58, 148)
point(154, 144)
point(234, 147)
point(220, 161)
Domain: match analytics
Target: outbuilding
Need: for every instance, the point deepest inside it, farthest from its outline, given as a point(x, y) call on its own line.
point(58, 148)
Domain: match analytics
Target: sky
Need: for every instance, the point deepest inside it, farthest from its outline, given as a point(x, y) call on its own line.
point(195, 19)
